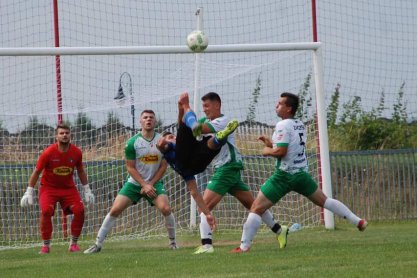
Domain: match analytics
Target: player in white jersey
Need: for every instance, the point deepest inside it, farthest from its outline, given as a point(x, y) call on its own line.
point(227, 173)
point(146, 167)
point(288, 146)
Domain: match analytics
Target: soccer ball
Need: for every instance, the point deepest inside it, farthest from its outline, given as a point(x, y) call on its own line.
point(197, 41)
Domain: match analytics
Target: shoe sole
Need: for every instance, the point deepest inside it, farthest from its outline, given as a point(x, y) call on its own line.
point(88, 251)
point(204, 251)
point(229, 129)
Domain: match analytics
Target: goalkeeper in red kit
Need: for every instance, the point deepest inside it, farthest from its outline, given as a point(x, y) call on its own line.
point(57, 163)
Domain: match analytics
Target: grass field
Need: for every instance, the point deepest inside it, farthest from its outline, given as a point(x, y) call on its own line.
point(383, 250)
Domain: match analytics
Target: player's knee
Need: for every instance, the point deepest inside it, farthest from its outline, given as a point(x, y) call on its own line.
point(78, 209)
point(165, 210)
point(47, 211)
point(257, 209)
point(115, 211)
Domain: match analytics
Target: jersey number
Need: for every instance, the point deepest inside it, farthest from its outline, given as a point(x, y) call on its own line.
point(302, 143)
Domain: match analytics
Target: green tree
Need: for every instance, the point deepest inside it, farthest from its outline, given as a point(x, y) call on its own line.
point(83, 132)
point(36, 135)
point(251, 116)
point(4, 134)
point(333, 107)
point(400, 108)
point(113, 125)
point(304, 110)
point(361, 130)
point(352, 110)
point(381, 107)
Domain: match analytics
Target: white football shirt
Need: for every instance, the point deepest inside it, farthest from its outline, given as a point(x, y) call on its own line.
point(147, 157)
point(229, 152)
point(291, 133)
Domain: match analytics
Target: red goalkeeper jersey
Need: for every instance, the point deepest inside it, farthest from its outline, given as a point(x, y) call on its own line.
point(58, 167)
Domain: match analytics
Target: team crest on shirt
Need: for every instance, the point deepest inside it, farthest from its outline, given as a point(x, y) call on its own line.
point(62, 171)
point(149, 159)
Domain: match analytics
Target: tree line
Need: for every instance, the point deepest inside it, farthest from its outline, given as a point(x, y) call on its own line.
point(350, 126)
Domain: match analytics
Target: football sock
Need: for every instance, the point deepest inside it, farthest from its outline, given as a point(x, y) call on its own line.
point(105, 229)
point(250, 228)
point(206, 233)
point(268, 219)
point(170, 225)
point(218, 143)
point(190, 119)
point(341, 210)
point(74, 240)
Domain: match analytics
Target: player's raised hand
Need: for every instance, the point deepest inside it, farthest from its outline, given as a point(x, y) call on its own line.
point(27, 199)
point(88, 195)
point(267, 142)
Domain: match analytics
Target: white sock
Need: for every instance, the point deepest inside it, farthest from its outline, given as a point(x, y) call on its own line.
point(341, 210)
point(268, 219)
point(205, 230)
point(250, 228)
point(105, 228)
point(170, 225)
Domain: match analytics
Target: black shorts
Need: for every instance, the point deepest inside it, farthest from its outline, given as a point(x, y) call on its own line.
point(192, 156)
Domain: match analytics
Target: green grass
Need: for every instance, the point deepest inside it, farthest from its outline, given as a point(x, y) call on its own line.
point(383, 250)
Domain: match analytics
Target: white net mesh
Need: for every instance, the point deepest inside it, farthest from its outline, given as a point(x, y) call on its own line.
point(367, 49)
point(99, 109)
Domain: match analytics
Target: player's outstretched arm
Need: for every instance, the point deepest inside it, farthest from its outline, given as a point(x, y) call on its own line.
point(267, 142)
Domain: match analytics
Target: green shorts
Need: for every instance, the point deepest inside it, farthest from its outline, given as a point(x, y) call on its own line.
point(227, 179)
point(281, 183)
point(132, 191)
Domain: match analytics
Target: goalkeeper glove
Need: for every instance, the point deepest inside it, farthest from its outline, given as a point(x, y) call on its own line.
point(27, 199)
point(88, 195)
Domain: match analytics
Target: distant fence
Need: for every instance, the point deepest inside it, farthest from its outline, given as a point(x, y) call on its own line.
point(377, 185)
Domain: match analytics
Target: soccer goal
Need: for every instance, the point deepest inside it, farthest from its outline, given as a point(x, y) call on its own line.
point(100, 88)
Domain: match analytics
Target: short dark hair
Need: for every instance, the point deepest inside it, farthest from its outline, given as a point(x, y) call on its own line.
point(212, 96)
point(62, 126)
point(147, 111)
point(291, 101)
point(165, 133)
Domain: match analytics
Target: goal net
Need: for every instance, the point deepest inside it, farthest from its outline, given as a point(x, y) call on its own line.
point(103, 95)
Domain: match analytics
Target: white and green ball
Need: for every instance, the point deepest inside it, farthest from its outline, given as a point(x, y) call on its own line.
point(197, 41)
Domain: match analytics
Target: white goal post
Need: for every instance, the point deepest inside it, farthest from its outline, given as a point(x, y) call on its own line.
point(314, 47)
